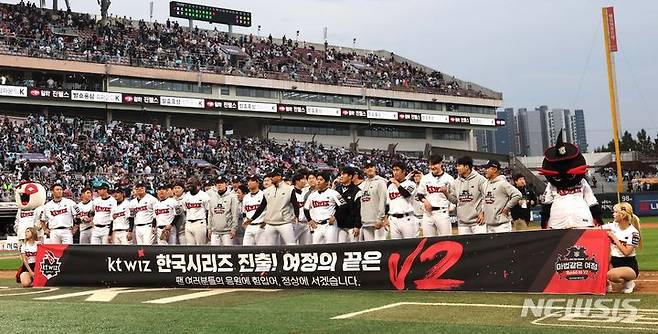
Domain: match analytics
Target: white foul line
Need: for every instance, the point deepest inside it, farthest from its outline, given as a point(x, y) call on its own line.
point(353, 314)
point(202, 294)
point(27, 292)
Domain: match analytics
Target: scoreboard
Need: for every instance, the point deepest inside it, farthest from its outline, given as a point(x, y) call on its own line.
point(209, 14)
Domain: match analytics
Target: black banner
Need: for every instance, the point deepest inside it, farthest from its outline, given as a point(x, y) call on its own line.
point(557, 261)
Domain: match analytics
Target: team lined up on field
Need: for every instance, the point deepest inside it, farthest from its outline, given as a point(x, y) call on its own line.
point(358, 205)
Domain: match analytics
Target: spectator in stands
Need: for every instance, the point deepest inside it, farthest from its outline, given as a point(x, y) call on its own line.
point(35, 32)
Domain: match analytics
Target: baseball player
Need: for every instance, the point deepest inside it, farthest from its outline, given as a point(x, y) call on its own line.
point(419, 208)
point(400, 219)
point(58, 215)
point(302, 232)
point(240, 191)
point(178, 192)
point(121, 231)
point(195, 205)
point(500, 197)
point(250, 204)
point(102, 221)
point(373, 204)
point(467, 192)
point(143, 215)
point(311, 181)
point(321, 208)
point(267, 182)
point(349, 219)
point(85, 216)
point(278, 209)
point(432, 192)
point(166, 209)
point(223, 214)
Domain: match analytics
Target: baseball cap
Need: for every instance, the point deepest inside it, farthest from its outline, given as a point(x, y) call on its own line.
point(348, 170)
point(140, 184)
point(221, 179)
point(118, 188)
point(179, 183)
point(492, 163)
point(368, 164)
point(207, 183)
point(162, 186)
point(274, 172)
point(253, 177)
point(102, 185)
point(236, 180)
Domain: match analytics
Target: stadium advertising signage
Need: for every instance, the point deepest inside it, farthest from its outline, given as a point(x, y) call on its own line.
point(608, 200)
point(289, 108)
point(459, 120)
point(323, 111)
point(52, 94)
point(255, 106)
point(183, 102)
point(221, 104)
point(551, 261)
point(89, 96)
point(13, 91)
point(379, 114)
point(353, 113)
point(645, 204)
point(434, 118)
point(405, 116)
point(141, 99)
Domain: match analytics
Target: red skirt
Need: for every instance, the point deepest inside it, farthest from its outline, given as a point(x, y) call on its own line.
point(21, 270)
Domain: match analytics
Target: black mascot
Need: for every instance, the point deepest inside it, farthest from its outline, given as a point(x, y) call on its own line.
point(569, 201)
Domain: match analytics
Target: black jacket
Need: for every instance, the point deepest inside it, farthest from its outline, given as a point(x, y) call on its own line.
point(349, 215)
point(524, 213)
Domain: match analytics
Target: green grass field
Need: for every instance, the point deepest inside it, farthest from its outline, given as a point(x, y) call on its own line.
point(291, 311)
point(306, 311)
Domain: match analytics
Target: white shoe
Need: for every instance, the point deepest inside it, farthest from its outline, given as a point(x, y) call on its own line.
point(628, 287)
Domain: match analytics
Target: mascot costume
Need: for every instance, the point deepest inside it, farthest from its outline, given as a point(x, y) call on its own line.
point(569, 201)
point(30, 198)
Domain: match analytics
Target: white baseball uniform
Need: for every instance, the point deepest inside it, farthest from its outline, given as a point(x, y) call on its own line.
point(436, 222)
point(165, 212)
point(568, 209)
point(402, 222)
point(302, 231)
point(120, 223)
point(322, 206)
point(250, 203)
point(102, 219)
point(85, 216)
point(59, 216)
point(143, 214)
point(196, 215)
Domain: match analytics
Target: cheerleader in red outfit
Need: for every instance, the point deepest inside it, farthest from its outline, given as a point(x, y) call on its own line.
point(25, 275)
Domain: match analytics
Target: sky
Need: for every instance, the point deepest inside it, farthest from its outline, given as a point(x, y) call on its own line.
point(536, 52)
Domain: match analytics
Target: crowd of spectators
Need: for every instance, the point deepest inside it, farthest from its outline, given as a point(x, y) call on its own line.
point(28, 30)
point(78, 151)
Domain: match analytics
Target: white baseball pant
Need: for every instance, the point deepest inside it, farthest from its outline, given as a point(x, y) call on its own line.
point(100, 235)
point(346, 234)
point(325, 234)
point(196, 233)
point(436, 223)
point(85, 235)
point(302, 233)
point(61, 236)
point(473, 228)
point(370, 233)
point(252, 235)
point(121, 238)
point(403, 228)
point(172, 236)
point(502, 228)
point(221, 239)
point(271, 234)
point(144, 235)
